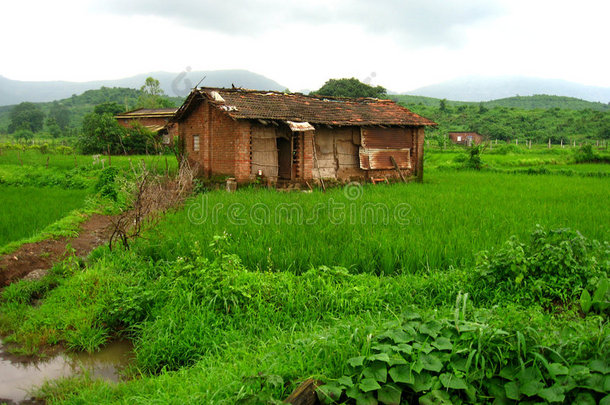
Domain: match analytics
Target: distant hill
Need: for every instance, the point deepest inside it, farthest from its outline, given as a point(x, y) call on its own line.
point(477, 88)
point(174, 85)
point(79, 105)
point(538, 101)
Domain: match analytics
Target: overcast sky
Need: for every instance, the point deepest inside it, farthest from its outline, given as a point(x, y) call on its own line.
point(301, 44)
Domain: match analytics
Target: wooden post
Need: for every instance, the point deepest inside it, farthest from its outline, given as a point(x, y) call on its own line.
point(397, 169)
point(549, 143)
point(561, 143)
point(47, 162)
point(574, 143)
point(19, 157)
point(109, 158)
point(517, 141)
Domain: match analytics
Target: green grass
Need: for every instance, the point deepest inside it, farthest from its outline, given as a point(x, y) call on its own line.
point(225, 309)
point(446, 221)
point(28, 210)
point(67, 162)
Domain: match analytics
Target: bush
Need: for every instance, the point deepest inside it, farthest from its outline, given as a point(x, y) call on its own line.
point(454, 361)
point(106, 185)
point(553, 267)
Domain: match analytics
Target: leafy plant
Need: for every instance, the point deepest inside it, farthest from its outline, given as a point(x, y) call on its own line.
point(554, 266)
point(600, 301)
point(437, 361)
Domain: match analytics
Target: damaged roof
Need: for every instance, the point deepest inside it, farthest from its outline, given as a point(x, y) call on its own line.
point(148, 113)
point(271, 105)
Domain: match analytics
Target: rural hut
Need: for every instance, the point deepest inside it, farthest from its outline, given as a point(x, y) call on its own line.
point(155, 119)
point(466, 138)
point(282, 137)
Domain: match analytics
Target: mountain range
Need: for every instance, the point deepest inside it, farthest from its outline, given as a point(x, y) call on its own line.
point(173, 84)
point(481, 88)
point(472, 88)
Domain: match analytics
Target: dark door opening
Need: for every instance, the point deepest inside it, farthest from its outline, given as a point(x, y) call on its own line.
point(284, 158)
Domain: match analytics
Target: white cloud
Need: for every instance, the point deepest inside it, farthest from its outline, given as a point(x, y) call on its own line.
point(407, 44)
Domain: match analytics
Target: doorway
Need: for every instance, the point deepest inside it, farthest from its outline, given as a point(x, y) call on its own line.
point(284, 158)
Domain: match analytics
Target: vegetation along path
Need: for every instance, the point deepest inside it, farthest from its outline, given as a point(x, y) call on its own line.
point(33, 260)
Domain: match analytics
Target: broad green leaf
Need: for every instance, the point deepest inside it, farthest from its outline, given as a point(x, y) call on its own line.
point(346, 381)
point(453, 382)
point(402, 374)
point(401, 336)
point(405, 348)
point(377, 371)
point(601, 290)
point(584, 398)
point(431, 328)
point(607, 383)
point(595, 382)
point(366, 399)
point(585, 301)
point(383, 348)
point(442, 343)
point(397, 359)
point(558, 369)
point(531, 388)
point(356, 361)
point(380, 357)
point(422, 347)
point(605, 400)
point(600, 366)
point(422, 382)
point(410, 315)
point(552, 394)
point(431, 362)
point(512, 390)
point(389, 394)
point(509, 373)
point(436, 397)
point(369, 384)
point(330, 391)
point(353, 392)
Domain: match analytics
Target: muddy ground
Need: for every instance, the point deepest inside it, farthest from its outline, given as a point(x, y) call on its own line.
point(33, 260)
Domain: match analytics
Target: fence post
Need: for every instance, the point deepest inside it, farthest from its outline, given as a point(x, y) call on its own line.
point(549, 143)
point(47, 162)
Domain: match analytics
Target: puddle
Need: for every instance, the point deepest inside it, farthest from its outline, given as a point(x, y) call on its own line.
point(18, 377)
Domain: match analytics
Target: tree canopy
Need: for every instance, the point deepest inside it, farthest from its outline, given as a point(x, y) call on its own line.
point(350, 88)
point(152, 95)
point(26, 116)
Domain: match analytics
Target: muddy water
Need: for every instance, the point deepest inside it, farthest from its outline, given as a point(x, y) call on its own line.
point(18, 377)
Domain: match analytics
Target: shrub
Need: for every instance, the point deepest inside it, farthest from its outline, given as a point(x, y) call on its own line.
point(454, 361)
point(554, 266)
point(106, 185)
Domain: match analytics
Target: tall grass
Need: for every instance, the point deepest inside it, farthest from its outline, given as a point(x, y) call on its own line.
point(27, 210)
point(445, 221)
point(66, 162)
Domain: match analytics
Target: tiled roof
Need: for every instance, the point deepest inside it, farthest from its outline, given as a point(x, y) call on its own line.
point(268, 105)
point(148, 113)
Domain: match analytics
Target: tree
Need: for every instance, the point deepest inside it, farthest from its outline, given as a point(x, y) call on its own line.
point(152, 95)
point(442, 105)
point(53, 127)
point(108, 108)
point(23, 134)
point(350, 88)
point(26, 116)
point(61, 114)
point(100, 132)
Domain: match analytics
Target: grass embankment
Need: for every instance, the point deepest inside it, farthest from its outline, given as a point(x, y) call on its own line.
point(28, 210)
point(39, 190)
point(217, 317)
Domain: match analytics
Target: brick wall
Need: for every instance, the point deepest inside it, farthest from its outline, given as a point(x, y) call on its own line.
point(224, 143)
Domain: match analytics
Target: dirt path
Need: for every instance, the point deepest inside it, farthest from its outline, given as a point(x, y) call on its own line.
point(34, 259)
